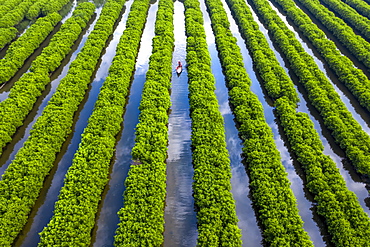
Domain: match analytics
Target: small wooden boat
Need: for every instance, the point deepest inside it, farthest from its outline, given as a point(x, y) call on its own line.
point(178, 69)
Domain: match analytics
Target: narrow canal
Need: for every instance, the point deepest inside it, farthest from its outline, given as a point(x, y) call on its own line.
point(342, 48)
point(112, 200)
point(23, 132)
point(304, 203)
point(180, 217)
point(5, 88)
point(358, 112)
point(42, 213)
point(353, 181)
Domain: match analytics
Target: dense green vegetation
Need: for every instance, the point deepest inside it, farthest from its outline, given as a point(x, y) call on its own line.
point(7, 34)
point(8, 6)
point(23, 180)
point(356, 44)
point(88, 174)
point(25, 45)
point(345, 129)
point(362, 7)
point(17, 14)
point(336, 203)
point(25, 91)
point(347, 222)
point(27, 8)
point(12, 18)
point(45, 7)
point(274, 77)
point(353, 78)
point(282, 225)
point(348, 14)
point(142, 217)
point(217, 221)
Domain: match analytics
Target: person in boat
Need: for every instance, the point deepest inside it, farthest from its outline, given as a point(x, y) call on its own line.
point(179, 67)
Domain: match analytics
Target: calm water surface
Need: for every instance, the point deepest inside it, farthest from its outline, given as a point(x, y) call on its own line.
point(180, 217)
point(112, 201)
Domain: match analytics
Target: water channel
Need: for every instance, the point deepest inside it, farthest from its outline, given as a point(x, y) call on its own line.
point(180, 217)
point(304, 200)
point(112, 200)
point(251, 234)
point(23, 132)
point(358, 112)
point(180, 226)
point(5, 88)
point(353, 180)
point(43, 212)
point(341, 47)
point(330, 149)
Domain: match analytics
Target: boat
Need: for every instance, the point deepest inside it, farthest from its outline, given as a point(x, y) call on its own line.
point(179, 68)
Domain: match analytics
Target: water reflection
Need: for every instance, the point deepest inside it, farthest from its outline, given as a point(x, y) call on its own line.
point(66, 13)
point(180, 217)
point(112, 200)
point(5, 88)
point(67, 10)
point(341, 47)
point(358, 113)
point(251, 234)
point(45, 210)
point(305, 202)
point(353, 181)
point(23, 132)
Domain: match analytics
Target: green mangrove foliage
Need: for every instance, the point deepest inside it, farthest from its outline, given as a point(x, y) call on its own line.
point(7, 34)
point(45, 7)
point(345, 129)
point(88, 174)
point(274, 77)
point(142, 217)
point(282, 225)
point(8, 6)
point(355, 43)
point(348, 14)
point(323, 178)
point(35, 10)
point(14, 16)
point(25, 45)
point(362, 7)
point(347, 222)
point(25, 91)
point(353, 78)
point(10, 19)
point(217, 221)
point(22, 181)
